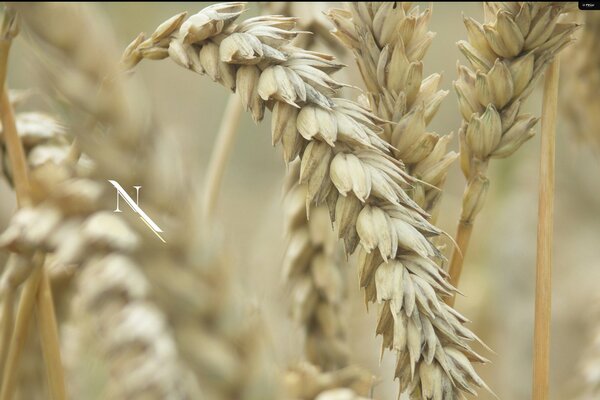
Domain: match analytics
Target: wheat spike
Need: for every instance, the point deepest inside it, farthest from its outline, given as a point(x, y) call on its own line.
point(345, 165)
point(508, 55)
point(148, 354)
point(389, 41)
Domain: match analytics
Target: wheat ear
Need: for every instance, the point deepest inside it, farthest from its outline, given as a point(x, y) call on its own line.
point(37, 289)
point(345, 165)
point(180, 279)
point(508, 56)
point(389, 41)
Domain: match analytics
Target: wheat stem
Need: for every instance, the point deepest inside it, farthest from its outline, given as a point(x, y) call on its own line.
point(49, 337)
point(16, 154)
point(463, 236)
point(220, 154)
point(21, 326)
point(543, 280)
point(8, 318)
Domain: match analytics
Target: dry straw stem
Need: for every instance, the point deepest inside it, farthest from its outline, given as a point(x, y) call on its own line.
point(581, 75)
point(220, 154)
point(389, 41)
point(345, 165)
point(543, 265)
point(129, 282)
point(508, 55)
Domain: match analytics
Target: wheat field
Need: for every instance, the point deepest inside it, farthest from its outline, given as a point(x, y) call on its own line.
point(227, 201)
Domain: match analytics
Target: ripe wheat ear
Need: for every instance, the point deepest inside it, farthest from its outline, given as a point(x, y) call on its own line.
point(345, 165)
point(508, 55)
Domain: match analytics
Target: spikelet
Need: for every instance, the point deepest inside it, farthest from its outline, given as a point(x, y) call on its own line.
point(346, 165)
point(507, 56)
point(389, 41)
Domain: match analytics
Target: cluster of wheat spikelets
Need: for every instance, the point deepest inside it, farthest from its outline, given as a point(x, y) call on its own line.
point(163, 322)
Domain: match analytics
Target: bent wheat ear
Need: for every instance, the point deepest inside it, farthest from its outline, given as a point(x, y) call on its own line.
point(508, 55)
point(346, 165)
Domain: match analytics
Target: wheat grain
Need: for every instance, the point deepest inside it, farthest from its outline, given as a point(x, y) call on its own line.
point(389, 41)
point(508, 55)
point(345, 165)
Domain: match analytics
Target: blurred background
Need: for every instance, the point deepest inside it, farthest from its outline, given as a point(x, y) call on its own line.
point(499, 273)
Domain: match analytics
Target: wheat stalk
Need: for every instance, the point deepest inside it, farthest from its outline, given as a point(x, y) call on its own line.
point(582, 81)
point(346, 165)
point(508, 55)
point(545, 234)
point(220, 154)
point(389, 41)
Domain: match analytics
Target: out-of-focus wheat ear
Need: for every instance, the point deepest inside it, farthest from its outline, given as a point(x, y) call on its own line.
point(37, 286)
point(345, 164)
point(581, 78)
point(313, 270)
point(312, 265)
point(173, 325)
point(508, 55)
point(308, 382)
